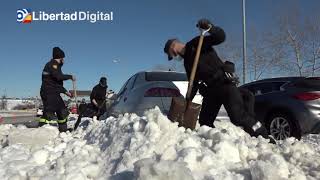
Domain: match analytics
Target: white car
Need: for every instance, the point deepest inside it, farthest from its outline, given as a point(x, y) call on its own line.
point(145, 90)
point(39, 112)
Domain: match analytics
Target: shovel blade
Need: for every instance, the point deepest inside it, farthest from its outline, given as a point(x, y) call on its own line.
point(183, 112)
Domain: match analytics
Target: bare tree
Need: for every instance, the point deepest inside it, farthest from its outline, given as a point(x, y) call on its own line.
point(313, 44)
point(299, 34)
point(231, 51)
point(265, 53)
point(291, 46)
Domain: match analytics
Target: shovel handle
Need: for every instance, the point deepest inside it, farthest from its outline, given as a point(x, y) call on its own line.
point(75, 93)
point(195, 62)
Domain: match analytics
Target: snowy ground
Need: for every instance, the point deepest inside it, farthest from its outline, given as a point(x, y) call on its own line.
point(151, 147)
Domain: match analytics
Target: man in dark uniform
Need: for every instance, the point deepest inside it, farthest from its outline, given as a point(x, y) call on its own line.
point(51, 88)
point(216, 87)
point(98, 97)
point(97, 106)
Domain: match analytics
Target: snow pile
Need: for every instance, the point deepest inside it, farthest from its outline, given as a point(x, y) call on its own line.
point(43, 152)
point(149, 169)
point(151, 147)
point(225, 152)
point(314, 140)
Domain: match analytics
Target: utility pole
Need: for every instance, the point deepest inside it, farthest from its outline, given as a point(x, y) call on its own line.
point(244, 48)
point(4, 100)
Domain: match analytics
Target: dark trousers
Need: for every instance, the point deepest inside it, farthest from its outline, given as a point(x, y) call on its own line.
point(248, 100)
point(100, 111)
point(54, 107)
point(231, 98)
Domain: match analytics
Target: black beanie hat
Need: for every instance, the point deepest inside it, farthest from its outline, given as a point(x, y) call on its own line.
point(57, 53)
point(103, 81)
point(167, 47)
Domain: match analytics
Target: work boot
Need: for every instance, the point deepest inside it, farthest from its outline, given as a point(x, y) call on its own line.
point(40, 124)
point(63, 127)
point(264, 133)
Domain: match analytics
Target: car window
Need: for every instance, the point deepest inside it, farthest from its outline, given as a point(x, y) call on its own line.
point(122, 90)
point(263, 88)
point(276, 86)
point(134, 81)
point(140, 79)
point(131, 82)
point(128, 85)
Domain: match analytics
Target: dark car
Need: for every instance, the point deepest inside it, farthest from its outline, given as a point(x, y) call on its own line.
point(289, 106)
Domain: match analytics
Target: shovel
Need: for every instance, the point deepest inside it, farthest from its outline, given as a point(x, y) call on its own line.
point(184, 111)
point(75, 93)
point(76, 99)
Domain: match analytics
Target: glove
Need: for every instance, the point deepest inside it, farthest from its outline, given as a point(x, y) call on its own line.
point(69, 94)
point(204, 24)
point(232, 77)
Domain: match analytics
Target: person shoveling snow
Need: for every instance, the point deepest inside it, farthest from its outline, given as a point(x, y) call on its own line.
point(51, 87)
point(214, 78)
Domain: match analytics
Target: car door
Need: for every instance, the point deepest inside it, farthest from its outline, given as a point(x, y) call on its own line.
point(118, 104)
point(127, 98)
point(258, 90)
point(263, 95)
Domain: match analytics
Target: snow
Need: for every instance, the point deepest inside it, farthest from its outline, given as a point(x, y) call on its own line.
point(146, 169)
point(151, 147)
point(313, 140)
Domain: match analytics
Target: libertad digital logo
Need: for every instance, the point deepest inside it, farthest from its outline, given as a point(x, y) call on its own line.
point(24, 16)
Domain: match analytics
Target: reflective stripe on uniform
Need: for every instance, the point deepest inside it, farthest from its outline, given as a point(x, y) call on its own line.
point(62, 121)
point(256, 126)
point(47, 121)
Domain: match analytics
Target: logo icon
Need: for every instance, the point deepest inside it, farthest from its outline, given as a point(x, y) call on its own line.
point(24, 16)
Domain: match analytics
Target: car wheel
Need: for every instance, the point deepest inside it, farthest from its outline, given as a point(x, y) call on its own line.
point(282, 126)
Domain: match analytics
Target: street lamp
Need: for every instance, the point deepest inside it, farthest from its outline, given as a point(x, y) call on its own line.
point(244, 40)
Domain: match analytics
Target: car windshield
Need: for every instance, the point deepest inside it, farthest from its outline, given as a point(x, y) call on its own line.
point(166, 76)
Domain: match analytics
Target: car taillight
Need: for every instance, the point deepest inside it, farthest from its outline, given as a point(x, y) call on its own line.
point(307, 96)
point(162, 92)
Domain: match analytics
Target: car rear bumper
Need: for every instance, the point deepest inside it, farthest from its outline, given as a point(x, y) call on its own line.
point(309, 122)
point(316, 129)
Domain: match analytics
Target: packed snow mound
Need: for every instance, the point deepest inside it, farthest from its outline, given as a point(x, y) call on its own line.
point(43, 153)
point(225, 152)
point(152, 147)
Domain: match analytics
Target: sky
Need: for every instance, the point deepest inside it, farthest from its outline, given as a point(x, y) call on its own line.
point(117, 49)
